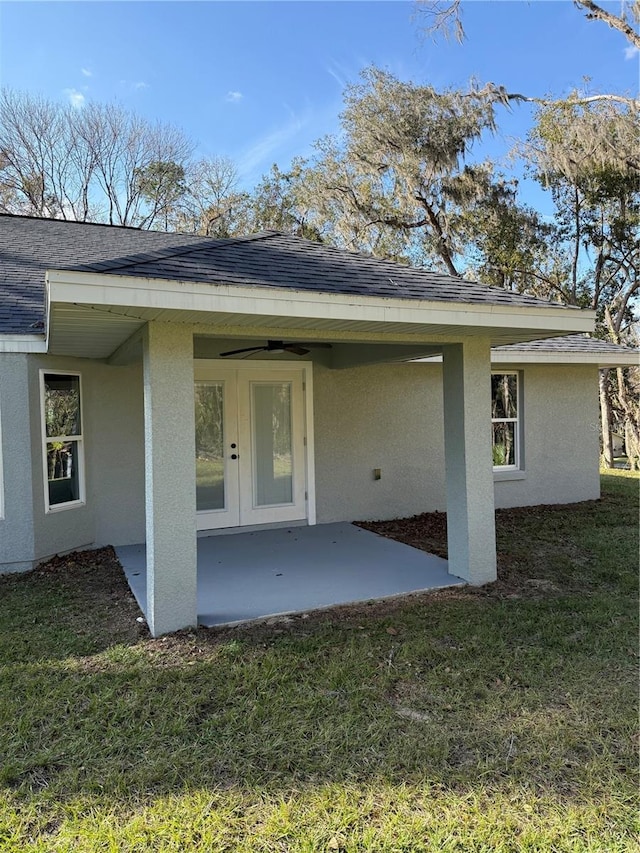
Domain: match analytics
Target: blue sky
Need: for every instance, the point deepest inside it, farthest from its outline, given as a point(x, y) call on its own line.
point(260, 81)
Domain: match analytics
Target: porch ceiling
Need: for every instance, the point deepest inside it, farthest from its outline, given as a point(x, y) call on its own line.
point(90, 331)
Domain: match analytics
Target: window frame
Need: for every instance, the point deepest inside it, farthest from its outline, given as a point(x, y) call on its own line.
point(517, 421)
point(46, 440)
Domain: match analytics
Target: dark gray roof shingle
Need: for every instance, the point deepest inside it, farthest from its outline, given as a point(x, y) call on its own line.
point(567, 343)
point(30, 246)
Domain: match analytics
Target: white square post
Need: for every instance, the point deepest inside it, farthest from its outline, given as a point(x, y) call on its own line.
point(471, 530)
point(170, 479)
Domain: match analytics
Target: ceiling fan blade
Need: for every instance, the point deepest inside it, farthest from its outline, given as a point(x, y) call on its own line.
point(316, 345)
point(238, 351)
point(295, 349)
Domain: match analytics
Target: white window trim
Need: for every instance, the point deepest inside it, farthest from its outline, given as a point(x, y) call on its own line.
point(516, 469)
point(79, 439)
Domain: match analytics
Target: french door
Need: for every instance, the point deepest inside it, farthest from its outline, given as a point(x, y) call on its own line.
point(250, 445)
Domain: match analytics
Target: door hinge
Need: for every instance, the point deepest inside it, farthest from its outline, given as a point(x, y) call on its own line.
point(305, 440)
point(306, 496)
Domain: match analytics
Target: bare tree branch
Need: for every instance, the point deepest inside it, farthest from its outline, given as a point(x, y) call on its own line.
point(446, 18)
point(617, 22)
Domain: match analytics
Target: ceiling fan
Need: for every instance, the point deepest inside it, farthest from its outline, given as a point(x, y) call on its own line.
point(278, 347)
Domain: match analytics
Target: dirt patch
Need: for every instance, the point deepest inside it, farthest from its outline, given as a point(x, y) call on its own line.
point(427, 531)
point(520, 574)
point(95, 592)
point(98, 579)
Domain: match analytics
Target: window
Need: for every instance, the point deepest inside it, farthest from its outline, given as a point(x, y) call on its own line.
point(505, 423)
point(62, 438)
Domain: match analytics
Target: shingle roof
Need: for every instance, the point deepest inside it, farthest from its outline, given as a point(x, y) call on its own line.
point(567, 343)
point(30, 246)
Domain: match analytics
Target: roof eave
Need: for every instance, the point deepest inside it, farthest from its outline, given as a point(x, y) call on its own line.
point(101, 298)
point(167, 294)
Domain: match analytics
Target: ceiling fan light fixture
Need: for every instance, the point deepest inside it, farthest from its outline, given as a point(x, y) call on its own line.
point(277, 347)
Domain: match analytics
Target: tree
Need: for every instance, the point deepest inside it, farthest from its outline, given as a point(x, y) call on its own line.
point(99, 163)
point(395, 181)
point(161, 185)
point(509, 245)
point(446, 17)
point(284, 201)
point(213, 205)
point(586, 156)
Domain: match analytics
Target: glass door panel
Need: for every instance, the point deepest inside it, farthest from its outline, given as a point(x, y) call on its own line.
point(272, 445)
point(210, 437)
point(272, 454)
point(249, 444)
point(216, 426)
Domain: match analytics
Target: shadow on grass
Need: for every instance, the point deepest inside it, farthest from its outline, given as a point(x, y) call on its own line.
point(468, 689)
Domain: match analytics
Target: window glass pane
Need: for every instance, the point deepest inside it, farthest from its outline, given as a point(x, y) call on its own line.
point(62, 404)
point(62, 471)
point(209, 445)
point(271, 415)
point(504, 444)
point(504, 395)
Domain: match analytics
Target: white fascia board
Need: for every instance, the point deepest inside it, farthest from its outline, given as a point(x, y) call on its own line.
point(23, 343)
point(600, 359)
point(164, 294)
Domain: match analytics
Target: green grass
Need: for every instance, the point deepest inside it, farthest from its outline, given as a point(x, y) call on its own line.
point(502, 719)
point(209, 472)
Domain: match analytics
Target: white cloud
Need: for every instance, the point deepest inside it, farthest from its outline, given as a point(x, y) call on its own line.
point(234, 97)
point(134, 86)
point(631, 52)
point(337, 77)
point(260, 154)
point(76, 99)
point(86, 72)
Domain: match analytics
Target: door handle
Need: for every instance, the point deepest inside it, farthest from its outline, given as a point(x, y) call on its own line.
point(234, 455)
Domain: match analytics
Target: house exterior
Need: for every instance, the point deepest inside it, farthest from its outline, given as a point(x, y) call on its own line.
point(405, 391)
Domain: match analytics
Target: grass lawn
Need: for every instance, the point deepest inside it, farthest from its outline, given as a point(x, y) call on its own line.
point(500, 719)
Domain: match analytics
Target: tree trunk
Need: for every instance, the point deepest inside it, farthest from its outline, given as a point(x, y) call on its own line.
point(629, 404)
point(632, 445)
point(605, 416)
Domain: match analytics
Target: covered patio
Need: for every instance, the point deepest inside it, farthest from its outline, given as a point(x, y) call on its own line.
point(246, 576)
point(169, 310)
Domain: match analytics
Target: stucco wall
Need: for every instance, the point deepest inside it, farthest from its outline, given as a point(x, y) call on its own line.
point(16, 527)
point(380, 416)
point(561, 437)
point(390, 417)
point(116, 454)
point(114, 461)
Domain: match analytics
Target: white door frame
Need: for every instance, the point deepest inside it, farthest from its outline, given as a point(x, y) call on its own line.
point(210, 369)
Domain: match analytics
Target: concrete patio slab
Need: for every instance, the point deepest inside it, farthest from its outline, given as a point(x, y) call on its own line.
point(265, 573)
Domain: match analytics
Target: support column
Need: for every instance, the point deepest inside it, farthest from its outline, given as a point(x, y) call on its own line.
point(471, 531)
point(170, 487)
